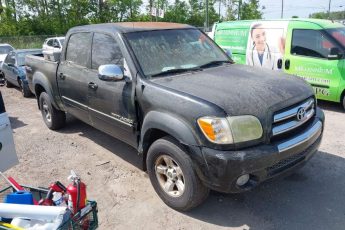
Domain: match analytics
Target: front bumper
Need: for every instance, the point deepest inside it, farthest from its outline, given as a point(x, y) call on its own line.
point(222, 168)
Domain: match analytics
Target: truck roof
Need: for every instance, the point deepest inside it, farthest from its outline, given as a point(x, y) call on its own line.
point(125, 27)
point(321, 22)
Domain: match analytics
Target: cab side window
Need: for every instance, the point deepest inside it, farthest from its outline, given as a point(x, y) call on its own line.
point(78, 49)
point(56, 44)
point(10, 59)
point(50, 42)
point(105, 50)
point(311, 43)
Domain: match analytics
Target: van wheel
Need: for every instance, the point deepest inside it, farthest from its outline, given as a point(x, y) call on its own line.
point(54, 119)
point(172, 175)
point(24, 88)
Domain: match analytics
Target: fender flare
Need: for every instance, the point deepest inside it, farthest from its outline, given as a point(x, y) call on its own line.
point(169, 124)
point(41, 79)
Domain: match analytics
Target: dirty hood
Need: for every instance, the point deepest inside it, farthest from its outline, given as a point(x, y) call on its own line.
point(241, 90)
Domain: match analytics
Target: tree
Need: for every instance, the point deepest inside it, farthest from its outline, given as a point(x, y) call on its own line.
point(333, 15)
point(250, 10)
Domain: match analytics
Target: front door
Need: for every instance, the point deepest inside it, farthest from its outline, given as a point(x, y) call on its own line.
point(73, 75)
point(307, 57)
point(110, 102)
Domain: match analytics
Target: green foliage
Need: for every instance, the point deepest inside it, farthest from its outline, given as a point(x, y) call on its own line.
point(242, 9)
point(250, 10)
point(42, 17)
point(324, 15)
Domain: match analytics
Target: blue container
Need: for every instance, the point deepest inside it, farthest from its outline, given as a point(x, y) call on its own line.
point(19, 197)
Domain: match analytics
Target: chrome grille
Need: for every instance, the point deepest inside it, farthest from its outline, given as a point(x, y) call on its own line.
point(290, 119)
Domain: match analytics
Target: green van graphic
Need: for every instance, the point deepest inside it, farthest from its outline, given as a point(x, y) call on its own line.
point(309, 48)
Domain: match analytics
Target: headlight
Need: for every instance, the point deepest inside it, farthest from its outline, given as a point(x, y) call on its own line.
point(231, 129)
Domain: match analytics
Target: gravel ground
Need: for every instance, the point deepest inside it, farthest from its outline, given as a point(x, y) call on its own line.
point(312, 198)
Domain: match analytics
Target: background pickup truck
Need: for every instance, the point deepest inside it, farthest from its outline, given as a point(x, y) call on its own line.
point(199, 121)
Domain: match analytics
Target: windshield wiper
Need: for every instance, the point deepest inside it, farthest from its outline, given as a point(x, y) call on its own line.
point(214, 63)
point(172, 71)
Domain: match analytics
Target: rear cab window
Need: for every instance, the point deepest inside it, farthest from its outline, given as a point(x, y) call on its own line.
point(78, 49)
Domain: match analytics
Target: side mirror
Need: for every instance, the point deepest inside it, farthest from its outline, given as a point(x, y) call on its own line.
point(334, 54)
point(110, 73)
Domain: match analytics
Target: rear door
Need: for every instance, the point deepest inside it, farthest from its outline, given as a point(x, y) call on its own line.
point(8, 156)
point(306, 56)
point(110, 104)
point(73, 75)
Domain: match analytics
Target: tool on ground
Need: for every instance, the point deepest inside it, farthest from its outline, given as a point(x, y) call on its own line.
point(56, 187)
point(15, 185)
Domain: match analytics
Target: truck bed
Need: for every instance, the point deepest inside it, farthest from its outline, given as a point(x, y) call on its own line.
point(39, 69)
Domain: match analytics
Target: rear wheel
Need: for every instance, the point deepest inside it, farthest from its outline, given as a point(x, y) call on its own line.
point(8, 84)
point(24, 88)
point(54, 119)
point(173, 176)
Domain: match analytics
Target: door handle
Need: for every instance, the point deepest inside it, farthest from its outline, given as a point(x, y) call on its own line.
point(93, 85)
point(62, 76)
point(287, 64)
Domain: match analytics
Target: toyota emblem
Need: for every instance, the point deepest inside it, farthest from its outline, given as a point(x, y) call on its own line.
point(301, 114)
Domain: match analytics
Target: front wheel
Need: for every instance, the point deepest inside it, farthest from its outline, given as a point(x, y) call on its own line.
point(54, 119)
point(173, 176)
point(24, 88)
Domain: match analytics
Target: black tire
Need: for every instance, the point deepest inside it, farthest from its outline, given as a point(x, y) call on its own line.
point(8, 84)
point(194, 191)
point(24, 88)
point(56, 119)
point(343, 101)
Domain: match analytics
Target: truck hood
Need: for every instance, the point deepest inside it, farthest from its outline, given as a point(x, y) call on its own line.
point(241, 90)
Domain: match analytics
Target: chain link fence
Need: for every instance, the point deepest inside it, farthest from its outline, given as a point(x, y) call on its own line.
point(26, 42)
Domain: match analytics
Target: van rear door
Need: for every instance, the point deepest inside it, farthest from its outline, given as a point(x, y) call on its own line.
point(306, 55)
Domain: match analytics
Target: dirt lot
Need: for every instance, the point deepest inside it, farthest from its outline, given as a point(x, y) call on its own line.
point(312, 198)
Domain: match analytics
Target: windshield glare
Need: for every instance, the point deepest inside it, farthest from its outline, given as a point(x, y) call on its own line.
point(164, 50)
point(338, 34)
point(5, 49)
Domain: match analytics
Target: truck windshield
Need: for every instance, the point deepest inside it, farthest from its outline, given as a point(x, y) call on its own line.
point(168, 50)
point(338, 34)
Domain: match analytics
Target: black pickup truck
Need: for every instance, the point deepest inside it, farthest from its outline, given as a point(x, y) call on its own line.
point(199, 121)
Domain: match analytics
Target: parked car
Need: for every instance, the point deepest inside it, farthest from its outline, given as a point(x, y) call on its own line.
point(7, 148)
point(310, 48)
point(14, 69)
point(198, 121)
point(52, 45)
point(4, 50)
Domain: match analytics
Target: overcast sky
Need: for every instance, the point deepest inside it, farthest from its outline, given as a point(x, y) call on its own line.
point(300, 8)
